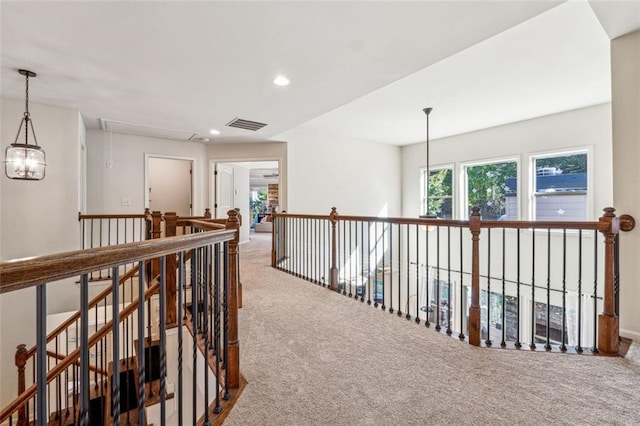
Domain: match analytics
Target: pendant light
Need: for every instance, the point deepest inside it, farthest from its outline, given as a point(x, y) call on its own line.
point(427, 214)
point(25, 161)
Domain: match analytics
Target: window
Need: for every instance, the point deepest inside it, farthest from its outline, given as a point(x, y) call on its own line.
point(440, 190)
point(560, 187)
point(493, 189)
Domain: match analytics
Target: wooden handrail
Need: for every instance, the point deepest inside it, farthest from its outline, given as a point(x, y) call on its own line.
point(73, 356)
point(203, 224)
point(516, 224)
point(25, 273)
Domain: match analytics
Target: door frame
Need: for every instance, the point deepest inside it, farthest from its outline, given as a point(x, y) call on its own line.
point(147, 156)
point(211, 179)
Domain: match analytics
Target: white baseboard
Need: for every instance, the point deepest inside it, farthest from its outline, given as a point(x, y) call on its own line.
point(630, 335)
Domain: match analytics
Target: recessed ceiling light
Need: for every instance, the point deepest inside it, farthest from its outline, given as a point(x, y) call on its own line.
point(281, 80)
point(214, 132)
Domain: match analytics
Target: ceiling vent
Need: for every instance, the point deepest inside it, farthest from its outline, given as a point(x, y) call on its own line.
point(145, 130)
point(246, 124)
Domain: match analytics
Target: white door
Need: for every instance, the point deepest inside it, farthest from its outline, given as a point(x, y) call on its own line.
point(224, 190)
point(169, 185)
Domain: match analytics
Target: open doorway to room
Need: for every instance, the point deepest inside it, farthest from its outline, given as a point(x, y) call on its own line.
point(169, 184)
point(251, 186)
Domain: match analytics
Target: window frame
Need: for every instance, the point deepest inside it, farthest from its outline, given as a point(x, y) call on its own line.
point(464, 183)
point(532, 194)
point(424, 186)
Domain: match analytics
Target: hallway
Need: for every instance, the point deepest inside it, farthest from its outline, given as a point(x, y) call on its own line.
point(315, 357)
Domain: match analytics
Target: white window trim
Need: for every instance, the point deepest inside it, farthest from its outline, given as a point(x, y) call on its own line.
point(532, 157)
point(463, 212)
point(454, 198)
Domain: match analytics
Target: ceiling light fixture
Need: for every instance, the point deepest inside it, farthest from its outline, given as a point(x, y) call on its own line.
point(214, 131)
point(281, 80)
point(23, 160)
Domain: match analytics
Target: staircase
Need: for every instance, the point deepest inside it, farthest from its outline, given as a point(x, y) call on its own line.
point(136, 351)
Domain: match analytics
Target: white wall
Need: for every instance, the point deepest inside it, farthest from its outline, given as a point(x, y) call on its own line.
point(587, 127)
point(37, 218)
point(625, 60)
point(355, 176)
point(107, 186)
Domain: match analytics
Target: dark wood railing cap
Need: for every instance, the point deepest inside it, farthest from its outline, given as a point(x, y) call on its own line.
point(24, 273)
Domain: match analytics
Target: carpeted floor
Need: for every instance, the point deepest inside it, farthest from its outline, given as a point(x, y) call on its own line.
point(315, 357)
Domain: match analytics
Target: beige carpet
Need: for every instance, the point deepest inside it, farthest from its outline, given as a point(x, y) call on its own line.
point(315, 357)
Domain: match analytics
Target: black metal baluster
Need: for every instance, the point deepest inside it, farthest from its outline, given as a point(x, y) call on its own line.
point(343, 266)
point(362, 283)
point(41, 354)
point(461, 296)
point(563, 346)
point(517, 343)
point(181, 298)
point(438, 301)
point(194, 314)
point(115, 345)
point(427, 321)
point(205, 329)
point(407, 266)
point(594, 348)
point(84, 350)
point(579, 346)
point(369, 263)
point(449, 331)
point(503, 343)
point(372, 286)
point(141, 349)
point(384, 271)
point(74, 374)
point(163, 339)
point(391, 267)
point(532, 344)
point(399, 311)
point(58, 415)
point(417, 319)
point(225, 313)
point(95, 330)
point(616, 273)
point(216, 324)
point(488, 339)
point(547, 346)
point(350, 259)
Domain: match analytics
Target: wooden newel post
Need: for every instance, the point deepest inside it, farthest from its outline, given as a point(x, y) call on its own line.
point(21, 362)
point(333, 273)
point(474, 309)
point(608, 326)
point(170, 230)
point(233, 363)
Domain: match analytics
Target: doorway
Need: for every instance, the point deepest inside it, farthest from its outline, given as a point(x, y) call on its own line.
point(169, 184)
point(251, 186)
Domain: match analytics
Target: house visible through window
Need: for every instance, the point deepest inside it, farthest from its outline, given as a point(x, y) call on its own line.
point(440, 189)
point(492, 188)
point(560, 187)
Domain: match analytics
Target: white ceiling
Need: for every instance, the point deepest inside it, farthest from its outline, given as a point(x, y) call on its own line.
point(193, 66)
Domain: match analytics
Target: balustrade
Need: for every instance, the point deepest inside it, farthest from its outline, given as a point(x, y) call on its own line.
point(110, 360)
point(553, 285)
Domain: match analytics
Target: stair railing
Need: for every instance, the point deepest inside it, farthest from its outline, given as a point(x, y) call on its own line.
point(70, 389)
point(549, 285)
